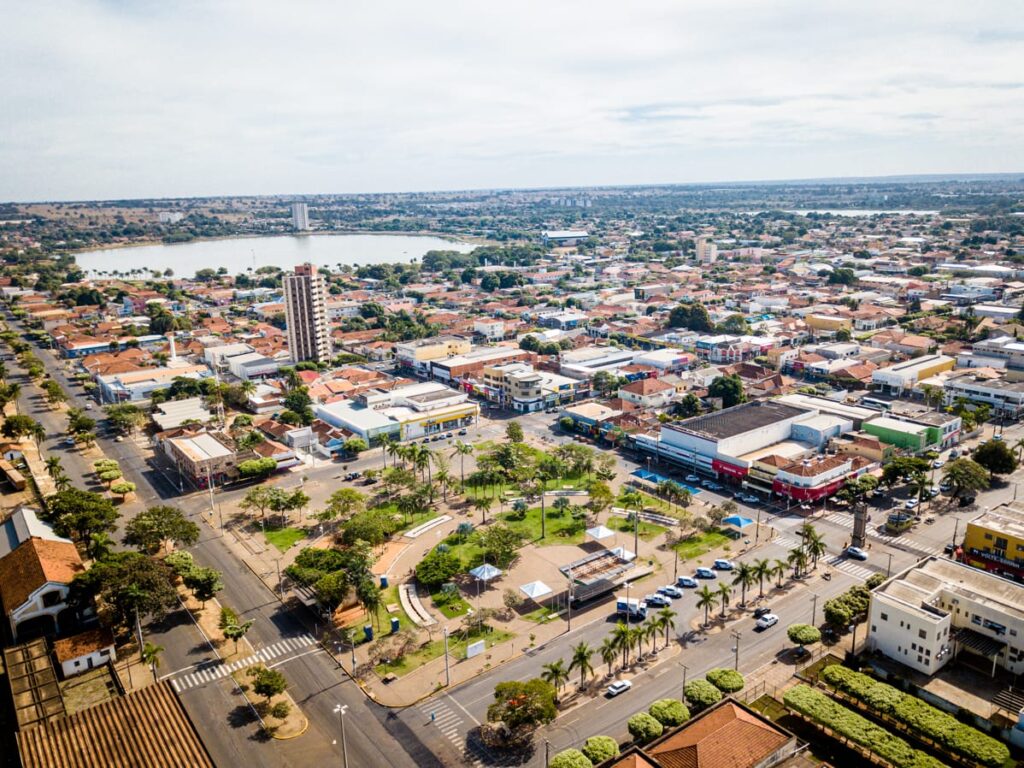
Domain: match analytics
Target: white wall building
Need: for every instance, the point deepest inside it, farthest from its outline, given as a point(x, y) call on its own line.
point(940, 608)
point(300, 216)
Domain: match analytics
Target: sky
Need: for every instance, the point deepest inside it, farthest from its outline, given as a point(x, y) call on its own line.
point(132, 98)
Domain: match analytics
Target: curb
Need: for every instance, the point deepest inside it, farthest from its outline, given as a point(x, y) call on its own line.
point(305, 728)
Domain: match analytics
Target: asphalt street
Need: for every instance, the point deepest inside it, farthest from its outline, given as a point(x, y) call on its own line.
point(374, 735)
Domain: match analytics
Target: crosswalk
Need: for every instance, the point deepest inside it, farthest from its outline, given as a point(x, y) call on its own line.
point(207, 672)
point(906, 542)
point(439, 714)
point(839, 562)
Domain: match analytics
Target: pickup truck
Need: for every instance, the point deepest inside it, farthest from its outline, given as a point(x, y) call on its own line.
point(631, 609)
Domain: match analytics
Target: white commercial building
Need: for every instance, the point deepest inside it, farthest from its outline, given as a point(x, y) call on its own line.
point(903, 377)
point(584, 363)
point(404, 413)
point(939, 608)
point(1005, 398)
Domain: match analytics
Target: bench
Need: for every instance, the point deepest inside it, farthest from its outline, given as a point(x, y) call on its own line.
point(418, 615)
point(422, 528)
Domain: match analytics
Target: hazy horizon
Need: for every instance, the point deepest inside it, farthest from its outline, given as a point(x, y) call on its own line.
point(110, 99)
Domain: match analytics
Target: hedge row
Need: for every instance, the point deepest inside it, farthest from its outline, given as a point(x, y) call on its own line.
point(848, 724)
point(932, 723)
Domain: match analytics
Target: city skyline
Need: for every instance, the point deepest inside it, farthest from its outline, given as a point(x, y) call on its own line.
point(411, 99)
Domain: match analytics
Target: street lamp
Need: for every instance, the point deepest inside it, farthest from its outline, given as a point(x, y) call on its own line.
point(447, 671)
point(814, 607)
point(685, 669)
point(736, 648)
point(888, 568)
point(340, 710)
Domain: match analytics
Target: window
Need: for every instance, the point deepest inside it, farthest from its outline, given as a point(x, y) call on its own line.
point(1001, 543)
point(885, 617)
point(922, 634)
point(874, 628)
point(52, 598)
point(988, 537)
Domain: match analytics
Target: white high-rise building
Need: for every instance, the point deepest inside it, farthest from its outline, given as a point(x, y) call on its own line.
point(305, 307)
point(707, 251)
point(300, 216)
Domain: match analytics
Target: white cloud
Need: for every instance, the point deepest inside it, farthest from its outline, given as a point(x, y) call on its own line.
point(134, 98)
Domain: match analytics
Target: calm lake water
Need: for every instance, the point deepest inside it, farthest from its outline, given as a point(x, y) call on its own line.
point(285, 251)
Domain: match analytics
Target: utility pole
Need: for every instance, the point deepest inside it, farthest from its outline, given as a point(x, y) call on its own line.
point(547, 753)
point(685, 669)
point(675, 569)
point(569, 603)
point(280, 584)
point(447, 670)
point(736, 648)
point(814, 608)
point(888, 568)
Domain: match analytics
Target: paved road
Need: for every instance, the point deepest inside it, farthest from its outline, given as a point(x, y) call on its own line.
point(374, 735)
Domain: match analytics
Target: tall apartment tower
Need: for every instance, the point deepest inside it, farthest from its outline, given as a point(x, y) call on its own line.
point(300, 216)
point(305, 308)
point(707, 251)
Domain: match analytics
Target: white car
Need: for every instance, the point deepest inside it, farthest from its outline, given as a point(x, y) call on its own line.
point(768, 620)
point(692, 479)
point(938, 464)
point(910, 503)
point(619, 686)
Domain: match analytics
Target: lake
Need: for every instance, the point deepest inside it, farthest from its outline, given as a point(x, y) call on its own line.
point(238, 254)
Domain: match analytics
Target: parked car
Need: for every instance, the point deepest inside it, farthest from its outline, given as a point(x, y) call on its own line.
point(723, 565)
point(954, 454)
point(659, 600)
point(705, 573)
point(686, 582)
point(463, 432)
point(933, 492)
point(69, 441)
point(714, 486)
point(949, 549)
point(938, 464)
point(670, 590)
point(763, 611)
point(447, 435)
point(766, 621)
point(910, 503)
point(856, 553)
point(945, 486)
point(619, 686)
point(692, 479)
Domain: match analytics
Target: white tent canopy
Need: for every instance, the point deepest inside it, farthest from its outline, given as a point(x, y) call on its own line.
point(599, 532)
point(486, 572)
point(535, 590)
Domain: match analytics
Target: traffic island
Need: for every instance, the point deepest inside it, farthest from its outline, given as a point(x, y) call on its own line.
point(279, 715)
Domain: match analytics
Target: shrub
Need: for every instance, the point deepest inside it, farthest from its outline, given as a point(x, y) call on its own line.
point(181, 561)
point(644, 728)
point(843, 609)
point(918, 716)
point(669, 712)
point(281, 710)
point(803, 634)
point(849, 725)
point(700, 694)
point(570, 758)
point(726, 680)
point(437, 568)
point(600, 748)
point(875, 580)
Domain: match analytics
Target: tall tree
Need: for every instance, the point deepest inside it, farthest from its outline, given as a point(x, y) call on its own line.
point(158, 526)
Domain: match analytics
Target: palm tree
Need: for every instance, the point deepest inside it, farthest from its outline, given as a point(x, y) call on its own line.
point(814, 547)
point(482, 504)
point(61, 482)
point(650, 632)
point(778, 570)
point(386, 443)
point(462, 450)
point(151, 656)
point(706, 599)
point(666, 622)
point(609, 652)
point(623, 640)
point(422, 459)
point(744, 578)
point(636, 636)
point(762, 569)
point(444, 479)
point(797, 560)
point(581, 654)
point(1019, 445)
point(100, 545)
point(724, 593)
point(53, 466)
point(556, 674)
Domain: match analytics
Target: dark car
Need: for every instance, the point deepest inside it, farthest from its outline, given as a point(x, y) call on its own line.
point(763, 611)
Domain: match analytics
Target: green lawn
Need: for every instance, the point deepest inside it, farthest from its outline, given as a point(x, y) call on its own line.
point(560, 528)
point(701, 544)
point(388, 597)
point(284, 538)
point(654, 504)
point(456, 647)
point(451, 606)
point(648, 531)
point(540, 615)
point(469, 552)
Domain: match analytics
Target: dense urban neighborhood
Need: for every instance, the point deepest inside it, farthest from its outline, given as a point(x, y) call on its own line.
point(629, 476)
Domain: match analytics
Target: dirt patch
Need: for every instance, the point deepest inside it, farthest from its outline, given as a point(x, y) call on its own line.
point(288, 727)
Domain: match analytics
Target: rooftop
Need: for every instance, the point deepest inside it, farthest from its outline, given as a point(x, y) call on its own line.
point(737, 420)
point(922, 584)
point(1007, 518)
point(34, 563)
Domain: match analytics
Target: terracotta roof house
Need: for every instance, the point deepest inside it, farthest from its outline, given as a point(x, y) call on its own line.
point(34, 582)
point(728, 735)
point(648, 393)
point(146, 728)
